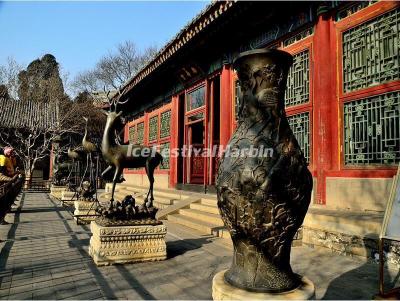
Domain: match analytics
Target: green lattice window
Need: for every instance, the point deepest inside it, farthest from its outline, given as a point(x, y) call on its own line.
point(153, 128)
point(132, 133)
point(298, 37)
point(298, 82)
point(371, 52)
point(165, 124)
point(164, 150)
point(371, 130)
point(300, 125)
point(348, 11)
point(140, 133)
point(196, 98)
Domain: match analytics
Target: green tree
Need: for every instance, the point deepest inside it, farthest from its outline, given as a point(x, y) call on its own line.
point(41, 81)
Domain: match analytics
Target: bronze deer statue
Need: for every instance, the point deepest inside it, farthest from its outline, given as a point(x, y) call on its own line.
point(123, 156)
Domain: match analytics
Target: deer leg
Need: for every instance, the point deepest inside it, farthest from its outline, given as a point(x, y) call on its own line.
point(116, 177)
point(150, 175)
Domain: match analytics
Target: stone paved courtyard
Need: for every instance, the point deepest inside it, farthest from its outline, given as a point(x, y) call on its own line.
point(44, 256)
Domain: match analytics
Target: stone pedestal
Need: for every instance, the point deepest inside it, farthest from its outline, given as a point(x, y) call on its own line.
point(221, 290)
point(56, 191)
point(85, 211)
point(120, 243)
point(67, 198)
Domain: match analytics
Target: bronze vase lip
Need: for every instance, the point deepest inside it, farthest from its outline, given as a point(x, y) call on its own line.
point(279, 54)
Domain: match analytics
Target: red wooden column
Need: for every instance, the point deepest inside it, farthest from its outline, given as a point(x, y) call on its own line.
point(325, 104)
point(226, 111)
point(174, 143)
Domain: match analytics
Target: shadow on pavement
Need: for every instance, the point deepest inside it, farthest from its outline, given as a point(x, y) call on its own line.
point(180, 247)
point(356, 284)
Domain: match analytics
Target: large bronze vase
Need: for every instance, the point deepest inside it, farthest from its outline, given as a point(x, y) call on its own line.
point(263, 184)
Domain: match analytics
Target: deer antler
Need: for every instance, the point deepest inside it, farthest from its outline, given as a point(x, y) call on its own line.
point(120, 95)
point(115, 101)
point(110, 100)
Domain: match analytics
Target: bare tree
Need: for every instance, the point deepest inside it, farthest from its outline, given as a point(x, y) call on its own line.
point(115, 69)
point(33, 143)
point(9, 76)
point(86, 81)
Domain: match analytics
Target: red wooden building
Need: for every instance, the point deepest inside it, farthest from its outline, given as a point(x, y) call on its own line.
point(342, 98)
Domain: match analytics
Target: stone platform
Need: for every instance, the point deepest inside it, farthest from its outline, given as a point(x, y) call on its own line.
point(85, 211)
point(221, 290)
point(56, 191)
point(127, 244)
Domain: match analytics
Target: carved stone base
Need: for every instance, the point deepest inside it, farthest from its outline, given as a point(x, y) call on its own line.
point(85, 211)
point(127, 244)
point(67, 198)
point(221, 290)
point(56, 191)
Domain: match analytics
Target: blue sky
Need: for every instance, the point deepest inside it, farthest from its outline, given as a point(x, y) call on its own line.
point(79, 33)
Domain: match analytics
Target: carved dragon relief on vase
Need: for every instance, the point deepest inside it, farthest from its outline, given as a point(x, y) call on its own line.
point(263, 199)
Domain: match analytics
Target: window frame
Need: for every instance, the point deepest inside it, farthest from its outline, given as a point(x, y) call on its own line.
point(293, 49)
point(358, 18)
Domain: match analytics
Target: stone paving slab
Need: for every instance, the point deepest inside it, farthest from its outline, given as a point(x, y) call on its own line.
point(45, 256)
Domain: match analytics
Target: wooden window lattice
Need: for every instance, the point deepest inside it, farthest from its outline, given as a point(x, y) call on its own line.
point(165, 124)
point(298, 82)
point(371, 52)
point(300, 125)
point(165, 155)
point(153, 128)
point(298, 37)
point(352, 9)
point(371, 130)
point(132, 134)
point(140, 133)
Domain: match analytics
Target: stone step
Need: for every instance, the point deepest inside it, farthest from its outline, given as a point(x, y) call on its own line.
point(202, 216)
point(348, 222)
point(205, 208)
point(158, 200)
point(209, 201)
point(132, 190)
point(202, 226)
point(341, 231)
point(162, 192)
point(157, 194)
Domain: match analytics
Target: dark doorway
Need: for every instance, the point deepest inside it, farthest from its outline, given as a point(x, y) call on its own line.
point(195, 163)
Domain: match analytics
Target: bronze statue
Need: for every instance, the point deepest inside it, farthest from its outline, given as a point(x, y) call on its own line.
point(88, 147)
point(61, 169)
point(75, 154)
point(263, 199)
point(86, 192)
point(127, 156)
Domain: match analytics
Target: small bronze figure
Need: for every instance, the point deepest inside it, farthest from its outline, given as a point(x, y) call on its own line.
point(263, 199)
point(61, 169)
